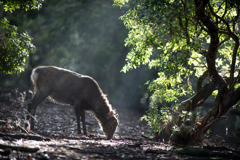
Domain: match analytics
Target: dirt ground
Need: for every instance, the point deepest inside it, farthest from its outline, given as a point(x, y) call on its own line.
point(55, 137)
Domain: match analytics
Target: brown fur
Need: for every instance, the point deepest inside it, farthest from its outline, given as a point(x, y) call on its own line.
point(67, 87)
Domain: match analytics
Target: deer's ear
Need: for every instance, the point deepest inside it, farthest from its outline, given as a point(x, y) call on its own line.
point(110, 114)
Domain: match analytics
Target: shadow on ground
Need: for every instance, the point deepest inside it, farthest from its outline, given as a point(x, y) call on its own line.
point(55, 137)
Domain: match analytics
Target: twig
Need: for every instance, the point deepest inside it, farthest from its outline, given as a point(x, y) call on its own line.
point(20, 127)
point(226, 39)
point(15, 125)
point(171, 108)
point(198, 61)
point(236, 69)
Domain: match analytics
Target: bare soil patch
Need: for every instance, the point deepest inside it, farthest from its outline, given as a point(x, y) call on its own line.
point(55, 137)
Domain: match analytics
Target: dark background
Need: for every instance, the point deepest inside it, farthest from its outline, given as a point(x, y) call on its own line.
point(86, 37)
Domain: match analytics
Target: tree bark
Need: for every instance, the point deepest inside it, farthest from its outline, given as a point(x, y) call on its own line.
point(188, 135)
point(189, 105)
point(225, 99)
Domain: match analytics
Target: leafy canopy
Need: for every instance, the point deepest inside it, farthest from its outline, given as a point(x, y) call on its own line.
point(165, 35)
point(12, 5)
point(14, 47)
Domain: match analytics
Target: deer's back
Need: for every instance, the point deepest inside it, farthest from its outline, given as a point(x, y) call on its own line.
point(65, 86)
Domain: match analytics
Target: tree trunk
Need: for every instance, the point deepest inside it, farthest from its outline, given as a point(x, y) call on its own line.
point(189, 105)
point(188, 135)
point(225, 99)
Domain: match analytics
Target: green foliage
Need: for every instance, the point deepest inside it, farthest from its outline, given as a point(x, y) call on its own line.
point(120, 2)
point(15, 47)
point(153, 118)
point(12, 5)
point(165, 35)
point(150, 23)
point(156, 39)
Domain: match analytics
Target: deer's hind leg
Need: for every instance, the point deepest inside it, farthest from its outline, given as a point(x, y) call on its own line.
point(80, 113)
point(77, 111)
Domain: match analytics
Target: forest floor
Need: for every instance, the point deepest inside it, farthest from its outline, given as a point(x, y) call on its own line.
point(55, 136)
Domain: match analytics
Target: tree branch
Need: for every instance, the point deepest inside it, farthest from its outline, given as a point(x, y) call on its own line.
point(220, 6)
point(221, 18)
point(236, 18)
point(235, 81)
point(213, 46)
point(187, 105)
point(203, 52)
point(209, 118)
point(225, 11)
point(203, 28)
point(184, 28)
point(171, 109)
point(226, 39)
point(201, 79)
point(234, 56)
point(199, 62)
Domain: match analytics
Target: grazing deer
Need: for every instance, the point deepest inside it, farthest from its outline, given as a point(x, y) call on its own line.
point(67, 87)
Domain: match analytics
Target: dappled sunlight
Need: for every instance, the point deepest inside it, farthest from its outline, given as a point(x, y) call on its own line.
point(162, 79)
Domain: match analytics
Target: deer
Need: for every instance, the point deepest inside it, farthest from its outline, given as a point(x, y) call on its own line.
point(70, 88)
